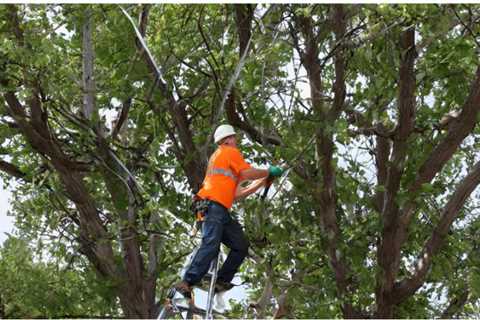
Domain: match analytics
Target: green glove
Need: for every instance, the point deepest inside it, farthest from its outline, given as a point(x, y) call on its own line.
point(274, 172)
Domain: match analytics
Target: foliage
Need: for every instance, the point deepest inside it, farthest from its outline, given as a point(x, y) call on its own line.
point(58, 288)
point(331, 92)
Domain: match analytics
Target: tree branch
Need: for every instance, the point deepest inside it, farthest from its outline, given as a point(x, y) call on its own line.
point(194, 164)
point(451, 210)
point(93, 236)
point(325, 192)
point(262, 303)
point(458, 130)
point(88, 57)
point(390, 247)
point(339, 87)
point(455, 305)
point(283, 309)
point(143, 20)
point(235, 120)
point(15, 20)
point(12, 170)
point(470, 31)
point(243, 18)
point(121, 118)
point(382, 153)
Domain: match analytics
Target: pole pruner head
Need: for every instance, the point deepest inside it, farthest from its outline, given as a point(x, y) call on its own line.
point(268, 183)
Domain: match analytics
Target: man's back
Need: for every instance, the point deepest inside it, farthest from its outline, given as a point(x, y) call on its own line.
point(222, 175)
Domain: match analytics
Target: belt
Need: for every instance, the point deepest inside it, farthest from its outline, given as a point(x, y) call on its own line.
point(217, 204)
point(209, 201)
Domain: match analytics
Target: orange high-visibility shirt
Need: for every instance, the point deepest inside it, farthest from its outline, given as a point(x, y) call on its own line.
point(222, 175)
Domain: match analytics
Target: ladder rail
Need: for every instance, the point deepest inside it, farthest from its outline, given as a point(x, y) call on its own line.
point(211, 289)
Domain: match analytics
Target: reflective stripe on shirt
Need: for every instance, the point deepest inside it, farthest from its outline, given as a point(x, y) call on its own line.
point(223, 172)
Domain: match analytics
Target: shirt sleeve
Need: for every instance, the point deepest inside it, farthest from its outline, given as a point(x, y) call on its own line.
point(237, 163)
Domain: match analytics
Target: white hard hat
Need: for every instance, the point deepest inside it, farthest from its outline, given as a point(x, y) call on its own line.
point(223, 131)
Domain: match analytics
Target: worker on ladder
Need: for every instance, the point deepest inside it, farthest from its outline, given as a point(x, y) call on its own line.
point(221, 187)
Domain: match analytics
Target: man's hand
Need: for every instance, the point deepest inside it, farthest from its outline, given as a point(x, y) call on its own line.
point(274, 172)
point(242, 192)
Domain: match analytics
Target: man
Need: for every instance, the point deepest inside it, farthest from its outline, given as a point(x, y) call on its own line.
point(221, 187)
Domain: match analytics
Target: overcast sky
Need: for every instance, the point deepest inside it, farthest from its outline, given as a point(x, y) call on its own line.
point(6, 222)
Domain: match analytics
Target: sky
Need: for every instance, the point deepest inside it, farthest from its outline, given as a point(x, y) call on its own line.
point(6, 222)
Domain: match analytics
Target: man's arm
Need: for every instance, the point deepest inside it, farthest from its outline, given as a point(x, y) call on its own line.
point(253, 174)
point(242, 192)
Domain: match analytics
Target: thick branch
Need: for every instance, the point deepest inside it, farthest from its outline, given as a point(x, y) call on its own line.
point(12, 170)
point(382, 153)
point(459, 128)
point(283, 309)
point(262, 303)
point(235, 120)
point(451, 210)
point(93, 236)
point(143, 20)
point(309, 58)
point(406, 106)
point(15, 20)
point(121, 187)
point(389, 250)
point(325, 192)
point(339, 87)
point(243, 18)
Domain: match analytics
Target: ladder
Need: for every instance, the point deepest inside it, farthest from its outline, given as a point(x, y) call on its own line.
point(176, 308)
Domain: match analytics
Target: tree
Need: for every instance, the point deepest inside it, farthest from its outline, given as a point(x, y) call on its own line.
point(373, 108)
point(32, 289)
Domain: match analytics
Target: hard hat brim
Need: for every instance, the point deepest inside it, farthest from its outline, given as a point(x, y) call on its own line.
point(220, 138)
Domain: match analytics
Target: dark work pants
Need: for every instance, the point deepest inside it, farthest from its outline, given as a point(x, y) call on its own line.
point(218, 227)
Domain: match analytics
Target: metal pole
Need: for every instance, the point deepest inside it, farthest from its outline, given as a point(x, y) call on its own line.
point(211, 289)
